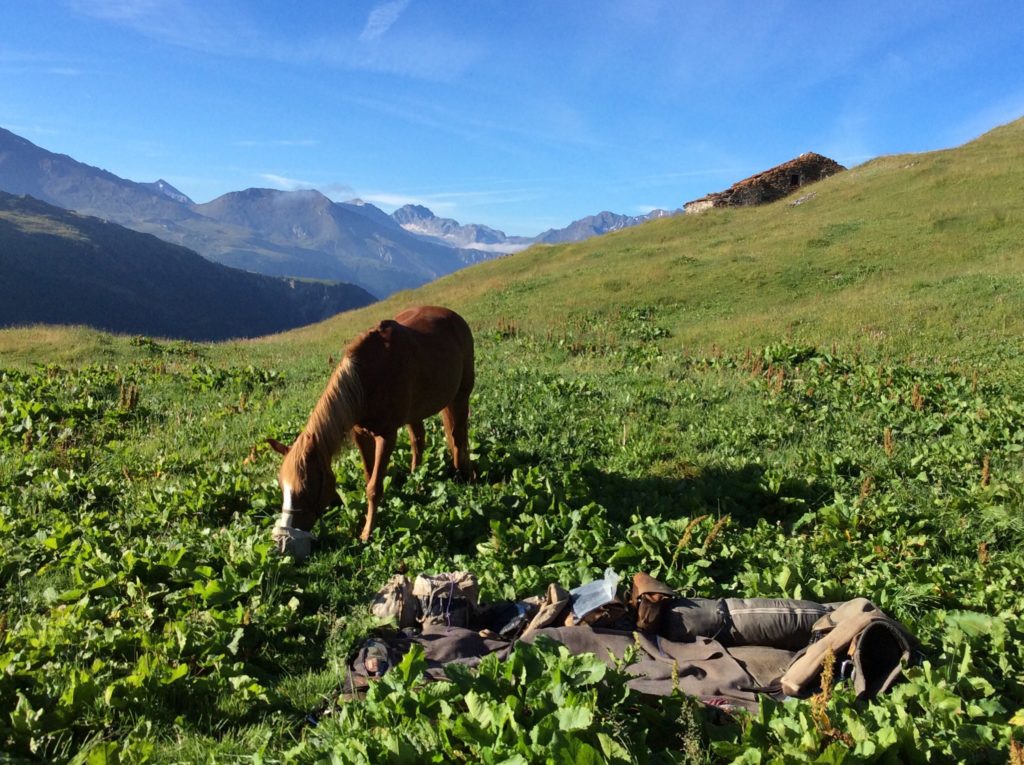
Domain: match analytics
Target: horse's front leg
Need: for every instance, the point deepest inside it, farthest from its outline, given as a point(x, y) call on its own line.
point(418, 440)
point(367, 450)
point(383, 445)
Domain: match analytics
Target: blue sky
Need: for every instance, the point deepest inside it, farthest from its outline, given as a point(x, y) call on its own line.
point(520, 115)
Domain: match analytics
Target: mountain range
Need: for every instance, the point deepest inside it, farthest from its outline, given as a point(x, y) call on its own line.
point(280, 233)
point(297, 234)
point(595, 225)
point(61, 267)
point(421, 220)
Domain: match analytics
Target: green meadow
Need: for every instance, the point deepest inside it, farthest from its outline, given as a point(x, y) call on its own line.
point(820, 400)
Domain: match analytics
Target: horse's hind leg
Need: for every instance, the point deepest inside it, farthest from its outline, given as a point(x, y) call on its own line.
point(456, 428)
point(383, 446)
point(417, 439)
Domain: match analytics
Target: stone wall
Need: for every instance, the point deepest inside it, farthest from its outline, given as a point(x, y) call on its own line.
point(769, 185)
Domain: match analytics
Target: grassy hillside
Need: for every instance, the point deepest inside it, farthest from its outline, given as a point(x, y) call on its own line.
point(818, 401)
point(63, 268)
point(909, 254)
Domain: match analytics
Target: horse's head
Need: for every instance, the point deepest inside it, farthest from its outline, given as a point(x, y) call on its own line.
point(307, 490)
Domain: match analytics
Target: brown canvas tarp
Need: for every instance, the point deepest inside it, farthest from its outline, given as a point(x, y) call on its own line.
point(701, 668)
point(754, 647)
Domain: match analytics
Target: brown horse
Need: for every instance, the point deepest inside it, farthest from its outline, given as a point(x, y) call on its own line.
point(395, 374)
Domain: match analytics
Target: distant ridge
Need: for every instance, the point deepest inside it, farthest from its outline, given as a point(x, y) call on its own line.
point(353, 242)
point(421, 220)
point(303, 233)
point(65, 182)
point(60, 267)
point(596, 225)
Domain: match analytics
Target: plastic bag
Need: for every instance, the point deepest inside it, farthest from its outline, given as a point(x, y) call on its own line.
point(593, 595)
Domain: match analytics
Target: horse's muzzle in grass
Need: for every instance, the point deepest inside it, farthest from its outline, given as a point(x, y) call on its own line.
point(294, 542)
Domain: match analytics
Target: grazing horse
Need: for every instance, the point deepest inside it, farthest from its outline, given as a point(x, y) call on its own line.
point(395, 374)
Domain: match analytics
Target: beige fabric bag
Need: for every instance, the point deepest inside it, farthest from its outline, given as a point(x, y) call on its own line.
point(395, 601)
point(552, 609)
point(858, 630)
point(448, 599)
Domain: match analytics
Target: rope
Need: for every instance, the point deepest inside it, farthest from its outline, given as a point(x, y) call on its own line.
point(448, 605)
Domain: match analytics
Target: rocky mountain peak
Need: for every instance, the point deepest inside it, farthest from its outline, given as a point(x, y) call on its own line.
point(169, 191)
point(412, 214)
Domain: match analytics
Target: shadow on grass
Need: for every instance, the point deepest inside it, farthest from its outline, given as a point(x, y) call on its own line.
point(746, 493)
point(742, 493)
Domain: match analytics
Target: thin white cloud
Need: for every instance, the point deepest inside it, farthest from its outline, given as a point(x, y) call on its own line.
point(56, 71)
point(16, 62)
point(240, 31)
point(381, 19)
point(285, 183)
point(483, 196)
point(342, 192)
point(387, 199)
point(283, 142)
point(204, 27)
point(122, 10)
point(339, 192)
point(1006, 109)
point(332, 189)
point(850, 140)
point(692, 173)
point(23, 130)
point(11, 56)
point(487, 197)
point(451, 204)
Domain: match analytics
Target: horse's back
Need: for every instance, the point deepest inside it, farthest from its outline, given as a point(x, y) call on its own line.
point(443, 347)
point(417, 363)
point(437, 324)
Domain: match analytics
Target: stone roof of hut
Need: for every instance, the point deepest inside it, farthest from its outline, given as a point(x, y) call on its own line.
point(807, 158)
point(746, 191)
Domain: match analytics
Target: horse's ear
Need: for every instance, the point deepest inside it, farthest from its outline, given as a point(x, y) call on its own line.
point(277, 446)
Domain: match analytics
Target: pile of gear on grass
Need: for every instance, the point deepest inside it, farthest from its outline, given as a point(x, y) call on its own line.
point(727, 652)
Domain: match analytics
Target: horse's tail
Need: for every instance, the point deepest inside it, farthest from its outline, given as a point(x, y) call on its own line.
point(339, 406)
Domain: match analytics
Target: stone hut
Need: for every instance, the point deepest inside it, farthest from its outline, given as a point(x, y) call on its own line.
point(769, 185)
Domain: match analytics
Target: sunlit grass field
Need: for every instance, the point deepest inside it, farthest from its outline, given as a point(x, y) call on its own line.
point(821, 400)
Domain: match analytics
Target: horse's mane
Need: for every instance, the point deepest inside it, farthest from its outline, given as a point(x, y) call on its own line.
point(328, 425)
